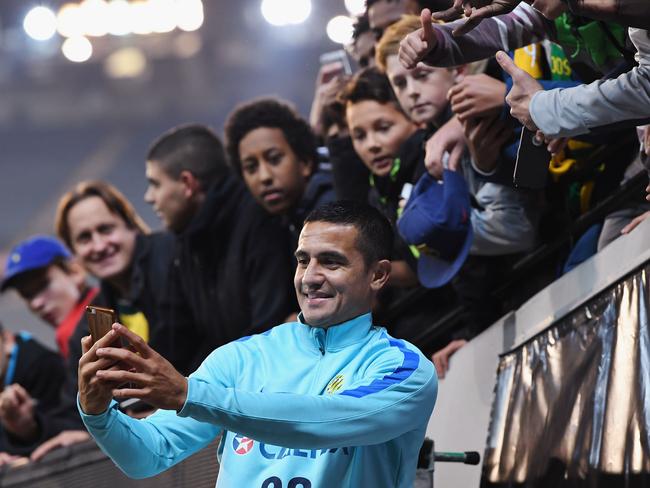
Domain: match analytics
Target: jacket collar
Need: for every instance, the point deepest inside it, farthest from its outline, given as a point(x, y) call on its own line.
point(339, 336)
point(218, 208)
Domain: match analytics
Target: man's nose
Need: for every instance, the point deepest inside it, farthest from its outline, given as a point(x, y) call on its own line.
point(265, 174)
point(312, 276)
point(97, 243)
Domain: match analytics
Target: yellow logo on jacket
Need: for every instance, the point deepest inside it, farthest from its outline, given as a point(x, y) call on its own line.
point(335, 384)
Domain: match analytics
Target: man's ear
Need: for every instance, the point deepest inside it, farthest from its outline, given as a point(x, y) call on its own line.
point(307, 168)
point(191, 184)
point(380, 275)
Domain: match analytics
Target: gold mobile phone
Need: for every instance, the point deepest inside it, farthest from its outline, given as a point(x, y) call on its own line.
point(100, 321)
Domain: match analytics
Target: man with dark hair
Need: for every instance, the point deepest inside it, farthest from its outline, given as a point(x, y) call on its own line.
point(274, 150)
point(329, 400)
point(230, 277)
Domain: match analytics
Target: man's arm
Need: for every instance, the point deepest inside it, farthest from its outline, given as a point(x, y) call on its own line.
point(519, 28)
point(397, 392)
point(140, 448)
point(573, 111)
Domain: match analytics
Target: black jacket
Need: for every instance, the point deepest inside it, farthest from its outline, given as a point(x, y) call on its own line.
point(42, 373)
point(231, 276)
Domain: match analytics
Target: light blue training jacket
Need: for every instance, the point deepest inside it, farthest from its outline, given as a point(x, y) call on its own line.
point(348, 404)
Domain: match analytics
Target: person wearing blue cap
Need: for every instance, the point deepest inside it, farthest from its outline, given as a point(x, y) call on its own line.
point(54, 287)
point(52, 283)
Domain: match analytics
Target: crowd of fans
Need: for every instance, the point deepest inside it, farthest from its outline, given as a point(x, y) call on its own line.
point(427, 130)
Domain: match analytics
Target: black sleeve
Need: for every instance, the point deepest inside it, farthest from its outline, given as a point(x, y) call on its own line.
point(351, 177)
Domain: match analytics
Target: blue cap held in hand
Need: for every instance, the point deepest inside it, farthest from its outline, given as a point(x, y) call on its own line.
point(436, 220)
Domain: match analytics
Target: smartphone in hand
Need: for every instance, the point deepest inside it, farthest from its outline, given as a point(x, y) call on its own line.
point(531, 168)
point(100, 321)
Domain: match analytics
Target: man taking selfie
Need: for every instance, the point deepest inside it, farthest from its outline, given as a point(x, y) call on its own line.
point(329, 400)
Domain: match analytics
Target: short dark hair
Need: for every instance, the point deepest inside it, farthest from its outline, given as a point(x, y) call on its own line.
point(369, 84)
point(375, 239)
point(360, 26)
point(194, 148)
point(272, 113)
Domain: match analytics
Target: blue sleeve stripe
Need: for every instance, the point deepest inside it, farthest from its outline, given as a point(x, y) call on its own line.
point(401, 373)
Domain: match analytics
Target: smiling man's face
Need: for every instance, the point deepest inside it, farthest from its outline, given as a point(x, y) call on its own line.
point(332, 281)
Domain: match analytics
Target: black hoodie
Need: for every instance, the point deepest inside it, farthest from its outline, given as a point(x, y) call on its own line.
point(231, 276)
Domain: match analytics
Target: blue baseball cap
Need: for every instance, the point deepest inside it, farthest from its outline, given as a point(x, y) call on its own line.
point(436, 220)
point(33, 253)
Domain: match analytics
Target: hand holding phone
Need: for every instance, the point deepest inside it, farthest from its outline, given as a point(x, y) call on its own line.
point(100, 321)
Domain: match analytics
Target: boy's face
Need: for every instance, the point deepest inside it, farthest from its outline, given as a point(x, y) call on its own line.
point(274, 175)
point(169, 198)
point(422, 92)
point(51, 293)
point(378, 130)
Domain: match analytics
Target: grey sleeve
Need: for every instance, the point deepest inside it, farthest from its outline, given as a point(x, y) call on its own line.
point(573, 111)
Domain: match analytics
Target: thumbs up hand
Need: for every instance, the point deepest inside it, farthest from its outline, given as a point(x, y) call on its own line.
point(524, 87)
point(415, 46)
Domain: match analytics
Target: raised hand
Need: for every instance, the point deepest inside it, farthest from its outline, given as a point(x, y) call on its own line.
point(95, 395)
point(524, 87)
point(477, 96)
point(154, 380)
point(448, 140)
point(475, 11)
point(17, 412)
point(416, 45)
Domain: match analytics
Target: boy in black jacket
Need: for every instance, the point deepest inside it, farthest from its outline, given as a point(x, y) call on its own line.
point(231, 276)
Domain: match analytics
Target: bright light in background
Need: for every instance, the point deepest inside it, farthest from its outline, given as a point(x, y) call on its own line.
point(40, 23)
point(119, 18)
point(70, 21)
point(286, 12)
point(96, 18)
point(189, 14)
point(94, 14)
point(355, 7)
point(340, 29)
point(128, 62)
point(77, 49)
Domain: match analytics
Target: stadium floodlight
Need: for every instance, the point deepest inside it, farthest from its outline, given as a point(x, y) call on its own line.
point(77, 49)
point(119, 18)
point(355, 7)
point(340, 28)
point(285, 12)
point(40, 23)
point(189, 14)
